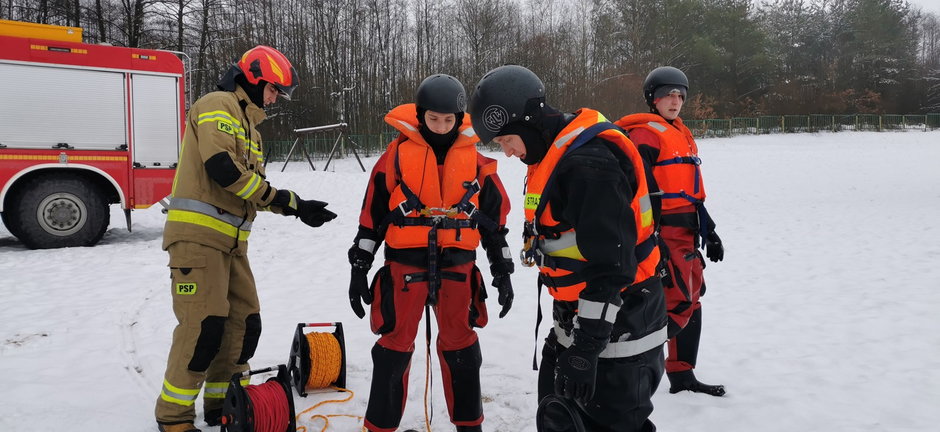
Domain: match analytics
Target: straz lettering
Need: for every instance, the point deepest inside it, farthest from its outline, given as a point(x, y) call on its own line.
point(532, 201)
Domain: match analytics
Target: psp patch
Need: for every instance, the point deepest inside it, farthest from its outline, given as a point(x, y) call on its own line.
point(227, 128)
point(186, 288)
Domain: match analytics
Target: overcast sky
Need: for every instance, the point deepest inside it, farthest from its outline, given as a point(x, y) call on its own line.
point(927, 5)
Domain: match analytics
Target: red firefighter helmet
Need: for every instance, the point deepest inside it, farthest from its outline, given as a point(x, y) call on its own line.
point(268, 64)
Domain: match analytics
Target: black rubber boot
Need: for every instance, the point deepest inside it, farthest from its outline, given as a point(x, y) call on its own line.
point(685, 380)
point(214, 417)
point(476, 428)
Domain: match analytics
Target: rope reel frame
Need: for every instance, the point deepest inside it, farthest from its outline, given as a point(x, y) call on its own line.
point(299, 359)
point(238, 411)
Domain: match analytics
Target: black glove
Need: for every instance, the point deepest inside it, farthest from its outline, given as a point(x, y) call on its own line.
point(503, 284)
point(501, 268)
point(576, 368)
point(361, 261)
point(713, 248)
point(314, 213)
point(310, 212)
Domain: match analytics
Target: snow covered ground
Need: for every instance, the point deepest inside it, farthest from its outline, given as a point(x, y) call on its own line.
point(824, 316)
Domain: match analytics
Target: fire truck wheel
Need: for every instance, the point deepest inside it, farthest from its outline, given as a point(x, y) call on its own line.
point(59, 211)
point(9, 223)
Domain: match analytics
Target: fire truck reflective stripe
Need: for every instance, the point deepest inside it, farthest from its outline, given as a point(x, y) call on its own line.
point(208, 222)
point(70, 158)
point(588, 309)
point(179, 396)
point(620, 349)
point(215, 390)
point(251, 187)
point(209, 210)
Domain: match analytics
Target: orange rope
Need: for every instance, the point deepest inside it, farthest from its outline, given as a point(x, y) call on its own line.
point(326, 359)
point(326, 418)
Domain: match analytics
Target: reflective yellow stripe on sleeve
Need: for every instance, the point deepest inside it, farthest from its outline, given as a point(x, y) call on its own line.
point(251, 187)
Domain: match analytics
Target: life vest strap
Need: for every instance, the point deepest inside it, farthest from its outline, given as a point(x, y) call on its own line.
point(690, 160)
point(441, 222)
point(424, 277)
point(703, 216)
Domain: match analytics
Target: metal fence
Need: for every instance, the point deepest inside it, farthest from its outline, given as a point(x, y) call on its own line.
point(812, 123)
point(373, 144)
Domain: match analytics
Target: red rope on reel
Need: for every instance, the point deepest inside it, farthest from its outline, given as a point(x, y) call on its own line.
point(270, 406)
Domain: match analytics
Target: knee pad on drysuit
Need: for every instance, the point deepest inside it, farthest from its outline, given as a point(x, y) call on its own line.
point(463, 368)
point(208, 344)
point(389, 387)
point(250, 342)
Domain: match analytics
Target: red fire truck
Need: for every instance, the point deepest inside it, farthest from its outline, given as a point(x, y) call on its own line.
point(82, 126)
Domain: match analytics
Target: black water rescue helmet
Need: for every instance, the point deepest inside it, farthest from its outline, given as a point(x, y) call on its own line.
point(505, 95)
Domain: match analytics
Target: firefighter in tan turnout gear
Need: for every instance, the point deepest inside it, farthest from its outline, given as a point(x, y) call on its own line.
point(219, 187)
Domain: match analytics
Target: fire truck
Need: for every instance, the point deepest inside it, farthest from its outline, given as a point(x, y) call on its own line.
point(83, 126)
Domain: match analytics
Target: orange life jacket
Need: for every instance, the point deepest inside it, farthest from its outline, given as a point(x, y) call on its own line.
point(559, 258)
point(677, 169)
point(412, 172)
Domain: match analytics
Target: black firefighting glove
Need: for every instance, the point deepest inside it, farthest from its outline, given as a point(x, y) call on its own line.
point(713, 248)
point(576, 369)
point(503, 283)
point(310, 212)
point(361, 262)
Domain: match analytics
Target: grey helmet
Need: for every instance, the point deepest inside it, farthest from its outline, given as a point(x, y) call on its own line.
point(663, 76)
point(441, 93)
point(505, 95)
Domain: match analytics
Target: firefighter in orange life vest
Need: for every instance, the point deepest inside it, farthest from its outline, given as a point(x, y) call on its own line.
point(589, 229)
point(432, 198)
point(668, 148)
point(218, 189)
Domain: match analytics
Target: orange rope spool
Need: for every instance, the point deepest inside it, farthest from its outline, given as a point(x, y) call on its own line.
point(325, 359)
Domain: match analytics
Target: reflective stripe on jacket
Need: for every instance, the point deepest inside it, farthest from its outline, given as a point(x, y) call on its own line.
point(676, 169)
point(438, 190)
point(561, 260)
point(202, 210)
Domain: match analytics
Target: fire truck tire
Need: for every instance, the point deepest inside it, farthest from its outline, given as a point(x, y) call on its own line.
point(62, 211)
point(9, 223)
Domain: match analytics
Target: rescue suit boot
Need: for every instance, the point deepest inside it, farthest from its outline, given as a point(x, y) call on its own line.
point(177, 427)
point(476, 428)
point(685, 380)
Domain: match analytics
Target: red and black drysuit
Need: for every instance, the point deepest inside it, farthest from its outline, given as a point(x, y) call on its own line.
point(609, 301)
point(669, 150)
point(419, 195)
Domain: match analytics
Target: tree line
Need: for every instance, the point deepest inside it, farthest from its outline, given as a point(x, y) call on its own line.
point(359, 58)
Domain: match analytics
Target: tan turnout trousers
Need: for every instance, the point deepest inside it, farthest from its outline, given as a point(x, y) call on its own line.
point(218, 314)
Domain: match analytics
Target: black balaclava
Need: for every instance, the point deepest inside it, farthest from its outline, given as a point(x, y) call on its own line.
point(538, 132)
point(440, 143)
point(255, 91)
